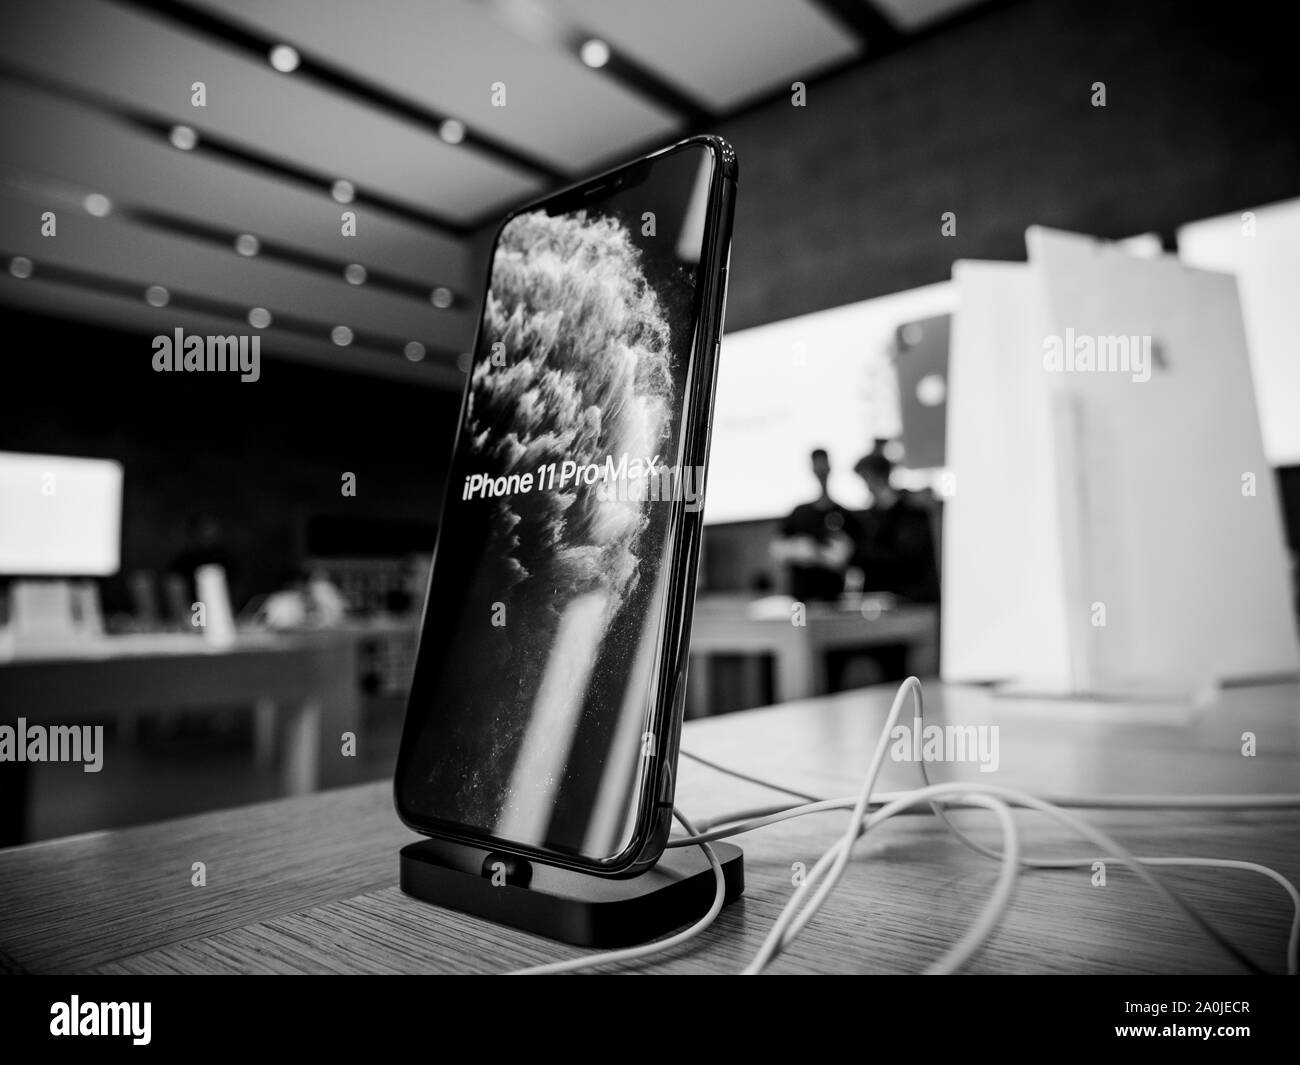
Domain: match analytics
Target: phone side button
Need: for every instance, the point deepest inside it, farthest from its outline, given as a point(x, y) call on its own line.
point(717, 358)
point(666, 788)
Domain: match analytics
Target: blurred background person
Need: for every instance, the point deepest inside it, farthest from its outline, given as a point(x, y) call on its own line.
point(893, 560)
point(894, 546)
point(816, 541)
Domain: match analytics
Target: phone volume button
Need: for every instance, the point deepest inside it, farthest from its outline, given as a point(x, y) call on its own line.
point(666, 788)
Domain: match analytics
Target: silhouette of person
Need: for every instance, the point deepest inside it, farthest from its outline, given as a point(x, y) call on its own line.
point(895, 547)
point(816, 541)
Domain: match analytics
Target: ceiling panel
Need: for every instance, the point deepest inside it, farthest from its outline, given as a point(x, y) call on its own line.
point(446, 55)
point(147, 257)
point(144, 62)
point(47, 137)
point(61, 301)
point(724, 53)
point(82, 83)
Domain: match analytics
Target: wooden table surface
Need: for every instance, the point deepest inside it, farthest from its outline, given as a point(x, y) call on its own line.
point(309, 884)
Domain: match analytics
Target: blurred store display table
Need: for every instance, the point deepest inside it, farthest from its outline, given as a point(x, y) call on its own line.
point(741, 624)
point(309, 884)
point(303, 688)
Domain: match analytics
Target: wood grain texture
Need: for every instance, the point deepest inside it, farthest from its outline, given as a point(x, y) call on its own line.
point(308, 885)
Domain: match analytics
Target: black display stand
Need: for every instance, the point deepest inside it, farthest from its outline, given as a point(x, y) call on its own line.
point(574, 907)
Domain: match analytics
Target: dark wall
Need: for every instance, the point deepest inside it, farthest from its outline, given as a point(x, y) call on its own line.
point(991, 119)
point(264, 457)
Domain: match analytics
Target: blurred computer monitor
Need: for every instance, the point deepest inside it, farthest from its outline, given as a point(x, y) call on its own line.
point(59, 516)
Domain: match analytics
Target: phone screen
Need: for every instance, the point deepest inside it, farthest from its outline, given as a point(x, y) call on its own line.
point(533, 702)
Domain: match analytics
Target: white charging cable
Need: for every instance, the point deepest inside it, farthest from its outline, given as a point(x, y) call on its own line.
point(871, 809)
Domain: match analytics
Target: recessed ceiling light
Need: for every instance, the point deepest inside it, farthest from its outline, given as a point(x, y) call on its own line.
point(259, 317)
point(354, 274)
point(441, 297)
point(343, 191)
point(414, 350)
point(184, 138)
point(341, 335)
point(451, 131)
point(284, 58)
point(20, 266)
point(98, 205)
point(157, 296)
point(247, 245)
point(595, 52)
